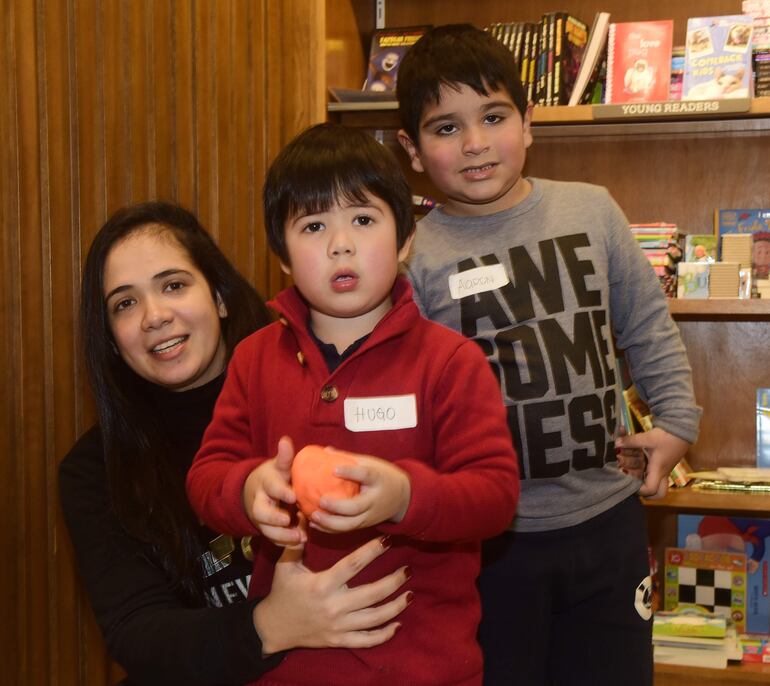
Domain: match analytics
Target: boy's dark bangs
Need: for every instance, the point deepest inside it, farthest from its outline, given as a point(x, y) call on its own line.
point(328, 182)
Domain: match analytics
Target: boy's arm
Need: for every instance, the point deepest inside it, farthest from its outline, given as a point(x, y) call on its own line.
point(649, 336)
point(226, 457)
point(472, 491)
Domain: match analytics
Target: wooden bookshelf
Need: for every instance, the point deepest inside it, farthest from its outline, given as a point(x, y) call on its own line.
point(688, 499)
point(576, 121)
point(677, 169)
point(719, 308)
point(674, 675)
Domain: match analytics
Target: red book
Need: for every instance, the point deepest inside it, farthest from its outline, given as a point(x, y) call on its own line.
point(639, 61)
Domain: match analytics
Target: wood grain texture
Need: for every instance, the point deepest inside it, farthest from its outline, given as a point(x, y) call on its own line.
point(107, 102)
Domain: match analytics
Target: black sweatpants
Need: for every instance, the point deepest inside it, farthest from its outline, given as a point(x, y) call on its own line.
point(569, 607)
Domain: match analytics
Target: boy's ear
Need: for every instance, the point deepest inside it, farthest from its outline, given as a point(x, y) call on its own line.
point(528, 125)
point(403, 253)
point(411, 150)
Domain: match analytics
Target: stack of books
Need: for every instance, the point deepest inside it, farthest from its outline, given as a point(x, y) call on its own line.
point(547, 52)
point(737, 247)
point(661, 243)
point(724, 279)
point(736, 479)
point(694, 639)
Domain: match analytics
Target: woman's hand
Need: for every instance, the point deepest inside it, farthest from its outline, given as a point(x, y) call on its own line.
point(317, 610)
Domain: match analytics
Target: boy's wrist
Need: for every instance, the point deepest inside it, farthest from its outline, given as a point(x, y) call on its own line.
point(405, 499)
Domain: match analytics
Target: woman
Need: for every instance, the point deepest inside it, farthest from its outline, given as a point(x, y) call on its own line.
point(162, 310)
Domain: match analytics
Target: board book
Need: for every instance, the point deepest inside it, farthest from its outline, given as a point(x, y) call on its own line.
point(717, 58)
point(746, 536)
point(700, 247)
point(712, 580)
point(639, 61)
point(387, 50)
point(753, 221)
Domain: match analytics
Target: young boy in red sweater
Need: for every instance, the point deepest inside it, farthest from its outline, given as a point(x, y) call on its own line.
point(437, 470)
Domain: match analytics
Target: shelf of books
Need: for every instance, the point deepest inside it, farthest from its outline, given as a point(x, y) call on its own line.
point(592, 120)
point(677, 675)
point(719, 308)
point(688, 498)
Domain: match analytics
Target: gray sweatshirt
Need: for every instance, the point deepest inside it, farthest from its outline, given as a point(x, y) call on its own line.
point(541, 287)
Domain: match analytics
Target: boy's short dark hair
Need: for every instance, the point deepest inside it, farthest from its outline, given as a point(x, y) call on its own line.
point(325, 164)
point(448, 56)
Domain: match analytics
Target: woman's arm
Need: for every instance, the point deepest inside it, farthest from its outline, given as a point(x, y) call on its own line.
point(159, 640)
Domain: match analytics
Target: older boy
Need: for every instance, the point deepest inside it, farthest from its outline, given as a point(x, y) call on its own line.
point(532, 270)
point(338, 214)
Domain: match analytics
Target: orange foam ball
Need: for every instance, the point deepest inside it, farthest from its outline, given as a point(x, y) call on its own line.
point(312, 475)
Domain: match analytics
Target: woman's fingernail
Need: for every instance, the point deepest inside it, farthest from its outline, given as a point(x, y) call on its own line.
point(409, 597)
point(385, 541)
point(408, 572)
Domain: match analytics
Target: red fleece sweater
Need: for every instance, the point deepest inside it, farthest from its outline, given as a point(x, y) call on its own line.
point(459, 457)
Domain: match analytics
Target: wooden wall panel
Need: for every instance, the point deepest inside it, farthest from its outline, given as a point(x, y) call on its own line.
point(107, 102)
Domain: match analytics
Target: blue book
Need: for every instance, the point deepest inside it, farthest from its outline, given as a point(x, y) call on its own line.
point(717, 58)
point(746, 535)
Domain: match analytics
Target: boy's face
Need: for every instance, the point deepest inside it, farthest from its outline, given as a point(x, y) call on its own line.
point(344, 261)
point(473, 147)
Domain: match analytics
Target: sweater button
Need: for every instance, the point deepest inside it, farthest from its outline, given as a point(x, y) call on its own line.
point(301, 357)
point(329, 394)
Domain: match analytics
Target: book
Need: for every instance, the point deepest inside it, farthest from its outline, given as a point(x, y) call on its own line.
point(692, 280)
point(570, 41)
point(639, 61)
point(713, 580)
point(700, 247)
point(748, 536)
point(387, 50)
point(717, 58)
point(763, 428)
point(677, 73)
point(753, 221)
point(690, 624)
point(590, 64)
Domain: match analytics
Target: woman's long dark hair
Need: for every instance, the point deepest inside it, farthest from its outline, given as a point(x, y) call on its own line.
point(146, 489)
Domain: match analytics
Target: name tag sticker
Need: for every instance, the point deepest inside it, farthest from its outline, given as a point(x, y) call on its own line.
point(386, 413)
point(477, 280)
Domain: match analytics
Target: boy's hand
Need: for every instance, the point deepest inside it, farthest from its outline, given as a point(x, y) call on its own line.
point(265, 489)
point(663, 451)
point(384, 497)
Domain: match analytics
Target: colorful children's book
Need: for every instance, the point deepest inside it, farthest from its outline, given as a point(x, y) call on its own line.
point(387, 50)
point(700, 247)
point(590, 65)
point(692, 280)
point(712, 580)
point(570, 39)
point(639, 61)
point(745, 536)
point(753, 221)
point(717, 60)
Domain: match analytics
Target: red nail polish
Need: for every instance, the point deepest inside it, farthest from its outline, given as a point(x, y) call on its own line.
point(409, 597)
point(385, 542)
point(408, 572)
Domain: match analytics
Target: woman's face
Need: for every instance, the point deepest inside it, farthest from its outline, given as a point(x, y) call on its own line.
point(163, 317)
